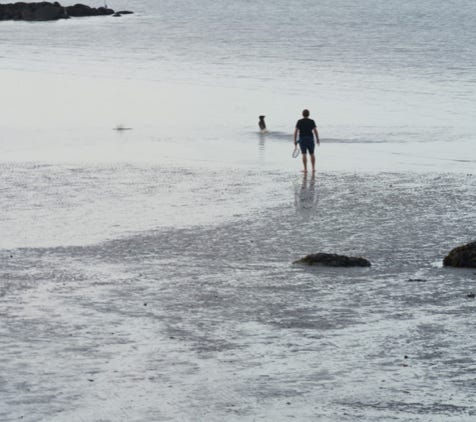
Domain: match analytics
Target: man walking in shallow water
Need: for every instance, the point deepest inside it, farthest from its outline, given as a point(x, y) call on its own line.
point(306, 128)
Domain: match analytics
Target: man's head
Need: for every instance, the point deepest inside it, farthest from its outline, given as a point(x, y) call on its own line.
point(305, 113)
point(261, 117)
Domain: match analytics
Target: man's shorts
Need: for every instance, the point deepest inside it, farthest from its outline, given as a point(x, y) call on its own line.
point(306, 144)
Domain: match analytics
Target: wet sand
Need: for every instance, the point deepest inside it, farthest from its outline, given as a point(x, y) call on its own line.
point(214, 323)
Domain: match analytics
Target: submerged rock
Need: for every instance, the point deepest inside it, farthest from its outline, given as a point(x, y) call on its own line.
point(462, 256)
point(333, 260)
point(122, 12)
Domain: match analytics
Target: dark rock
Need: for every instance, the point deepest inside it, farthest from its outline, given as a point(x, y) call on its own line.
point(46, 11)
point(41, 11)
point(104, 11)
point(122, 12)
point(462, 256)
point(50, 12)
point(81, 10)
point(333, 260)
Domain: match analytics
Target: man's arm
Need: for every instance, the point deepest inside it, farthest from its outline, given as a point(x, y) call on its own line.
point(317, 135)
point(295, 136)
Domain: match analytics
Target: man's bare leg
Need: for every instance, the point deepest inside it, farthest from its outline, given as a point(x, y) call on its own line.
point(313, 162)
point(304, 162)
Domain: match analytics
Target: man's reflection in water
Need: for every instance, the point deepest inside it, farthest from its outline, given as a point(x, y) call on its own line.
point(305, 196)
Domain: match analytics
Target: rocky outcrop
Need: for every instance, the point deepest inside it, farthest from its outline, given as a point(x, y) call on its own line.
point(42, 11)
point(46, 11)
point(333, 260)
point(80, 10)
point(462, 256)
point(122, 12)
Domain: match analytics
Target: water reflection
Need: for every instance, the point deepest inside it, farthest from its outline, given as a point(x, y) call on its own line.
point(262, 139)
point(305, 195)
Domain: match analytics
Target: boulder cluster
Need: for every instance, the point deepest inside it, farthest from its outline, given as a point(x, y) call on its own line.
point(46, 11)
point(461, 257)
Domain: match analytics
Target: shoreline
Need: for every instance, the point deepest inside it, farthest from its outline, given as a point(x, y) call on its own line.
point(76, 122)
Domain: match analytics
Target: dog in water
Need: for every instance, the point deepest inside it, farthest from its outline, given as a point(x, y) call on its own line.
point(262, 124)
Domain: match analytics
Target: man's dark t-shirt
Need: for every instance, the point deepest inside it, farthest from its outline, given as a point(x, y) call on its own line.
point(305, 127)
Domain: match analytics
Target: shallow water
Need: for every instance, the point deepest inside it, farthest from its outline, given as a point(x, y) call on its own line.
point(383, 70)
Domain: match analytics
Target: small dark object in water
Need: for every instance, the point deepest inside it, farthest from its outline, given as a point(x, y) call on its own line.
point(333, 260)
point(261, 123)
point(122, 12)
point(471, 295)
point(416, 280)
point(462, 256)
point(121, 127)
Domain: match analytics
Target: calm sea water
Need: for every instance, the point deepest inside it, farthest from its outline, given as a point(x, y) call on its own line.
point(369, 68)
point(262, 40)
